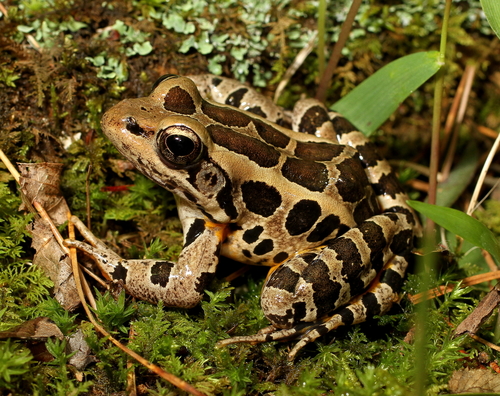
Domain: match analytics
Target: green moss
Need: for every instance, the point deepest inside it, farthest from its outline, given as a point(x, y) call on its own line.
point(14, 361)
point(490, 216)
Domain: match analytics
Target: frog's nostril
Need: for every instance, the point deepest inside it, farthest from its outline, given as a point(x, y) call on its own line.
point(134, 128)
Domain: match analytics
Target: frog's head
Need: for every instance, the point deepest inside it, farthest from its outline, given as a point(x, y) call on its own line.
point(162, 135)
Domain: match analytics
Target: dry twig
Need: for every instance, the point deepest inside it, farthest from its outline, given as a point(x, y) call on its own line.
point(439, 291)
point(337, 49)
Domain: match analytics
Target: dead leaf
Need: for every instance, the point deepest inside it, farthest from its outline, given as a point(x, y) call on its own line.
point(40, 182)
point(474, 381)
point(40, 329)
point(82, 357)
point(35, 332)
point(35, 329)
point(485, 308)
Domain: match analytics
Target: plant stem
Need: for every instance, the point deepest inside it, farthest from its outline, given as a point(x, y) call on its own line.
point(321, 36)
point(427, 263)
point(436, 117)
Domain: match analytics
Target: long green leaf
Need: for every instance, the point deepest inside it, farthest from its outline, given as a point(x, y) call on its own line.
point(372, 102)
point(459, 178)
point(461, 224)
point(492, 11)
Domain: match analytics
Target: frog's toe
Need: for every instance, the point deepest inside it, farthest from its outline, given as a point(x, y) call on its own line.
point(265, 335)
point(315, 331)
point(307, 332)
point(100, 254)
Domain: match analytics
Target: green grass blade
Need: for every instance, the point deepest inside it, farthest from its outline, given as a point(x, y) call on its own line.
point(372, 102)
point(492, 11)
point(461, 224)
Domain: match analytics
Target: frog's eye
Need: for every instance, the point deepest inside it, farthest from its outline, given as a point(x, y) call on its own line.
point(179, 145)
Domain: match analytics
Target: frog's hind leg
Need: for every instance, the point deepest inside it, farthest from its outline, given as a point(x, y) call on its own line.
point(233, 93)
point(377, 300)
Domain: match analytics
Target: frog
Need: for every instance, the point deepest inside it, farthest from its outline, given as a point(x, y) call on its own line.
point(302, 192)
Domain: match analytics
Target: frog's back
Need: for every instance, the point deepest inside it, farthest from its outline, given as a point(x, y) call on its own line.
point(291, 191)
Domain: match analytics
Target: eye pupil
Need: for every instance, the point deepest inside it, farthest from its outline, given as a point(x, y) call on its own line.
point(180, 145)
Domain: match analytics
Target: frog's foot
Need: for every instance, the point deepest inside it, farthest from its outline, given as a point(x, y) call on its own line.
point(377, 300)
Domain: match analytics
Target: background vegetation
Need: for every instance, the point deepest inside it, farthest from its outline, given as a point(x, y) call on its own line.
point(64, 62)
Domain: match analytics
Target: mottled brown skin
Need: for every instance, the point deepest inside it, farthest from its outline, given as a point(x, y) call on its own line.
point(319, 205)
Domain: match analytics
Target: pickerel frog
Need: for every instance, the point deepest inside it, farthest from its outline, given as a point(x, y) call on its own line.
point(317, 205)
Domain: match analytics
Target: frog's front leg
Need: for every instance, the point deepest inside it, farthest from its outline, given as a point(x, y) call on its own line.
point(179, 284)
